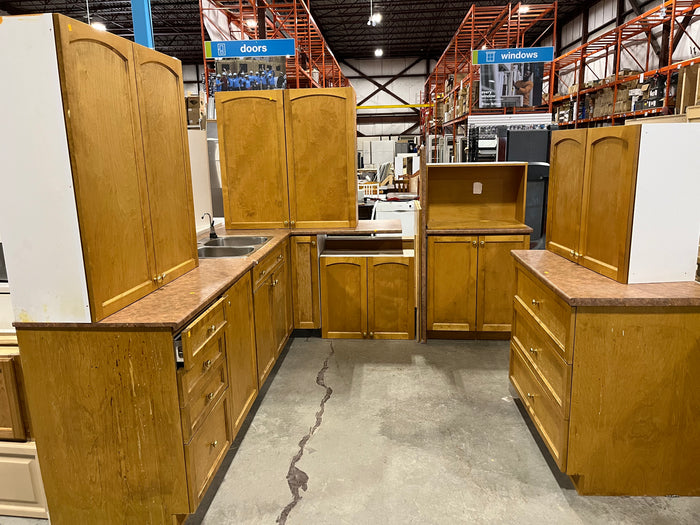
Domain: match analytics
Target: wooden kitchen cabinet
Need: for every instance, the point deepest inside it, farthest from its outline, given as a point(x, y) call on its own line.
point(612, 400)
point(321, 157)
point(240, 350)
point(471, 282)
point(12, 426)
point(288, 158)
point(611, 201)
point(252, 157)
point(305, 282)
point(109, 195)
point(367, 297)
point(273, 315)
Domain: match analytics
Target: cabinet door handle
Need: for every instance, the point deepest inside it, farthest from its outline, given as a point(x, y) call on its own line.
point(214, 444)
point(364, 334)
point(211, 329)
point(280, 257)
point(263, 272)
point(482, 243)
point(286, 223)
point(293, 223)
point(206, 364)
point(534, 350)
point(535, 302)
point(210, 396)
point(371, 334)
point(530, 396)
point(473, 243)
point(313, 243)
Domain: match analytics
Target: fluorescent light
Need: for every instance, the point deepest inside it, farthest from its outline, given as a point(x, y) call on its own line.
point(483, 47)
point(376, 18)
point(524, 9)
point(99, 26)
point(378, 52)
point(251, 23)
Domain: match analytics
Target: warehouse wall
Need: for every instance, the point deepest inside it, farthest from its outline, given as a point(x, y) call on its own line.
point(408, 87)
point(192, 75)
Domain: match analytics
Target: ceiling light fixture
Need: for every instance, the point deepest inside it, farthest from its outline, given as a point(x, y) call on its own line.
point(251, 23)
point(374, 18)
point(523, 9)
point(378, 52)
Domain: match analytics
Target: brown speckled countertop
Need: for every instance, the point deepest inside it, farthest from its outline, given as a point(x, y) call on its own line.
point(579, 286)
point(177, 303)
point(516, 230)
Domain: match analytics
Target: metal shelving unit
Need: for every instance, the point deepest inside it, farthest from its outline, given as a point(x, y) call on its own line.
point(313, 64)
point(512, 25)
point(673, 17)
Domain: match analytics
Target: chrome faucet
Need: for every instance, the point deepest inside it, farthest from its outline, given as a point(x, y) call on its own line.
point(212, 231)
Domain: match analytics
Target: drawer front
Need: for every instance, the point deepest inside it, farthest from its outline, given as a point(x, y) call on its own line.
point(207, 449)
point(191, 381)
point(553, 313)
point(262, 270)
point(205, 328)
point(203, 398)
point(544, 412)
point(543, 355)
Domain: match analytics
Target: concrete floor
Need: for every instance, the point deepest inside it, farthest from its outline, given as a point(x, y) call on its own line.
point(411, 433)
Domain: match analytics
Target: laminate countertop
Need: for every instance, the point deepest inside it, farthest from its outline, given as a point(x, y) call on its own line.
point(579, 286)
point(177, 303)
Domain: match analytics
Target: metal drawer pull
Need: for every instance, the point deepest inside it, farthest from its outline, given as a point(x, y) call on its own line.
point(263, 272)
point(371, 334)
point(533, 350)
point(473, 243)
point(530, 396)
point(210, 396)
point(535, 302)
point(482, 243)
point(212, 328)
point(214, 443)
point(280, 257)
point(313, 243)
point(206, 364)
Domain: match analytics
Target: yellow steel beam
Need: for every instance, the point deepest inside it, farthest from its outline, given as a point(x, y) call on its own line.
point(391, 106)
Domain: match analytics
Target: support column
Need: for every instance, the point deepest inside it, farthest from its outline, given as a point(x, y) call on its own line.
point(143, 23)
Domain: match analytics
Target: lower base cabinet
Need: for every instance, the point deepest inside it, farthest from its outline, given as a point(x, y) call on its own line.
point(367, 297)
point(615, 403)
point(21, 487)
point(471, 281)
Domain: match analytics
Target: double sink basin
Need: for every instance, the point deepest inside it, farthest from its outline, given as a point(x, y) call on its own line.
point(235, 246)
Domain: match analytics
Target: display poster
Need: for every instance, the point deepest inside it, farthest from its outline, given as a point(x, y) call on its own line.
point(246, 74)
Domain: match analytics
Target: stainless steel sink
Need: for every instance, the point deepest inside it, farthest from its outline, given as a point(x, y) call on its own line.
point(225, 251)
point(238, 240)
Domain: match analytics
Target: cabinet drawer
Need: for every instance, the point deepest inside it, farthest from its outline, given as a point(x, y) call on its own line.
point(543, 355)
point(544, 412)
point(206, 327)
point(192, 380)
point(263, 269)
point(206, 394)
point(555, 315)
point(207, 449)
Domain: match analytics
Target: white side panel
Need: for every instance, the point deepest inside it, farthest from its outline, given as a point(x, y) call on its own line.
point(6, 315)
point(38, 216)
point(201, 183)
point(666, 224)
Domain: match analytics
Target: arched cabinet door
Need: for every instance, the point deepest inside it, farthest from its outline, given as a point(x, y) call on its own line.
point(391, 297)
point(100, 102)
point(167, 161)
point(567, 168)
point(321, 157)
point(608, 200)
point(344, 297)
point(252, 156)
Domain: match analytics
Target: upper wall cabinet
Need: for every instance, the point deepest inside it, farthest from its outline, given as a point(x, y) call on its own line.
point(622, 201)
point(99, 210)
point(288, 158)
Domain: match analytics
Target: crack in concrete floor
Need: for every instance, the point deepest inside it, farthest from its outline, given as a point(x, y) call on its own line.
point(297, 479)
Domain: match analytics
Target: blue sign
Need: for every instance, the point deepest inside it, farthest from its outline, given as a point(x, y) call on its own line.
point(250, 48)
point(512, 55)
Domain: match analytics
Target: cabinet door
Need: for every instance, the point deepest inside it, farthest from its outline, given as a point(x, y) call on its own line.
point(567, 167)
point(240, 350)
point(11, 423)
point(496, 281)
point(264, 332)
point(253, 158)
point(321, 131)
point(344, 297)
point(608, 200)
point(281, 314)
point(166, 155)
point(390, 298)
point(452, 267)
point(305, 291)
point(104, 134)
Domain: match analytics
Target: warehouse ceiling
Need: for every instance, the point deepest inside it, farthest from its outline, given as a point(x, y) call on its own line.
point(409, 28)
